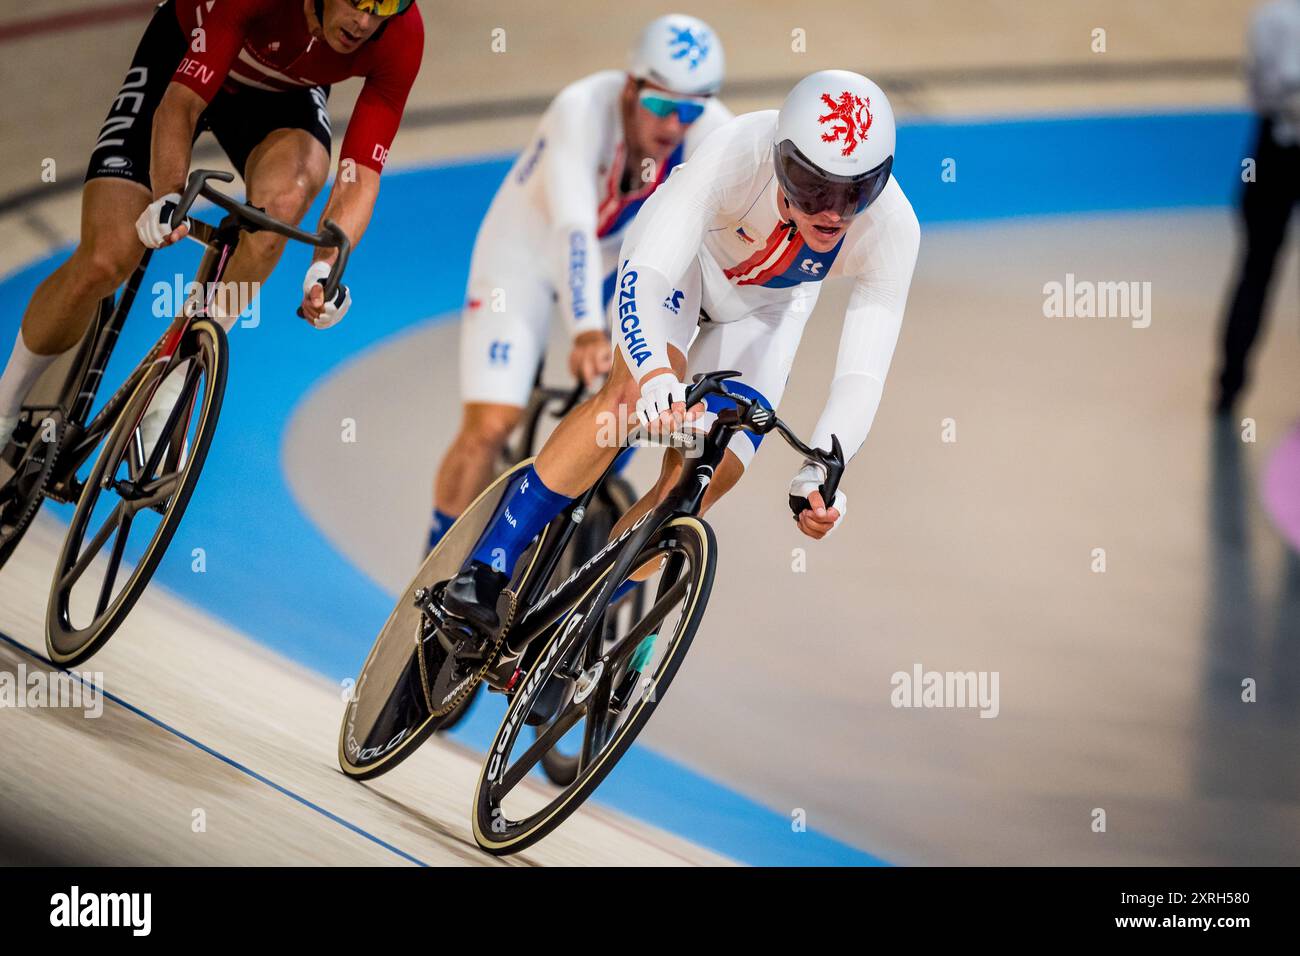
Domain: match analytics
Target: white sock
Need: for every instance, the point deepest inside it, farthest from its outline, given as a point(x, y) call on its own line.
point(24, 368)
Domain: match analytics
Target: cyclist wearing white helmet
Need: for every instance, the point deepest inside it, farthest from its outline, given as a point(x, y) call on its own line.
point(727, 259)
point(553, 233)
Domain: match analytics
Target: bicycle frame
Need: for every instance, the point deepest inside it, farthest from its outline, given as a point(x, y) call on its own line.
point(220, 242)
point(83, 437)
point(686, 498)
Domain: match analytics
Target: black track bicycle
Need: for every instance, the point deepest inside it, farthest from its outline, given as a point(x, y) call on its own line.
point(613, 498)
point(553, 655)
point(131, 489)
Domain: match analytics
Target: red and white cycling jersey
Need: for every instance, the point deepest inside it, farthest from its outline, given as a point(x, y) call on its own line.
point(266, 44)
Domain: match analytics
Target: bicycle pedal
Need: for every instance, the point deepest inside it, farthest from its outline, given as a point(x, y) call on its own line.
point(503, 675)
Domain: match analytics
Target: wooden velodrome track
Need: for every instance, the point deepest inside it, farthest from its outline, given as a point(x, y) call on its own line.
point(960, 557)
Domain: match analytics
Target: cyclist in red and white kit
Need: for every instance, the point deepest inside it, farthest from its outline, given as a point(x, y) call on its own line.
point(256, 74)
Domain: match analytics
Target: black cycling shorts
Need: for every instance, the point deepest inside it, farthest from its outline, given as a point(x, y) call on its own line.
point(240, 117)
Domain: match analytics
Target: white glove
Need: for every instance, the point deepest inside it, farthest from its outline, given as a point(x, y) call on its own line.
point(810, 478)
point(155, 223)
point(334, 311)
point(657, 396)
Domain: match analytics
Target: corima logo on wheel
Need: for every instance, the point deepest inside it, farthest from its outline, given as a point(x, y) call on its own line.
point(519, 707)
point(629, 322)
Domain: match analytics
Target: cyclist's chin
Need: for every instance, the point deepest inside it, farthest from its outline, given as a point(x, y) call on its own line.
point(822, 238)
point(343, 39)
point(659, 148)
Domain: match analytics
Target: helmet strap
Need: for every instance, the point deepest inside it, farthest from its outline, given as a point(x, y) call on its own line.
point(629, 108)
point(785, 201)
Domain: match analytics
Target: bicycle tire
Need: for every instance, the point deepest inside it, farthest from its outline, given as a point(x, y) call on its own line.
point(500, 836)
point(66, 643)
point(387, 663)
point(617, 498)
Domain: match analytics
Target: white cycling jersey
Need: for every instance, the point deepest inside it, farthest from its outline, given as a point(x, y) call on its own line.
point(553, 231)
point(714, 238)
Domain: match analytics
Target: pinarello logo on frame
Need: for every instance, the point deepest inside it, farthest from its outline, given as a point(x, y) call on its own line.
point(851, 116)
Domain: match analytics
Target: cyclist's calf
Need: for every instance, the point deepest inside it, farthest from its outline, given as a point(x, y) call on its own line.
point(724, 479)
point(487, 427)
point(470, 462)
point(64, 303)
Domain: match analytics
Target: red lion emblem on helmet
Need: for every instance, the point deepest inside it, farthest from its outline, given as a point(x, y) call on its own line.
point(851, 115)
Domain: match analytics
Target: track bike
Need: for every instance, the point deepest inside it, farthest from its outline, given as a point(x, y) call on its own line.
point(614, 497)
point(129, 484)
point(569, 678)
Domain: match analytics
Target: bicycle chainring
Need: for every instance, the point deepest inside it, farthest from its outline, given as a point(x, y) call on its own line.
point(450, 678)
point(24, 492)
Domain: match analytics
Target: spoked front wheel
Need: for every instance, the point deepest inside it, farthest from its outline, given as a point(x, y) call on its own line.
point(612, 501)
point(133, 500)
point(606, 694)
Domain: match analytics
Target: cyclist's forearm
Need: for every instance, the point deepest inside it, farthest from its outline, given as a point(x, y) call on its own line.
point(580, 267)
point(350, 205)
point(638, 322)
point(174, 123)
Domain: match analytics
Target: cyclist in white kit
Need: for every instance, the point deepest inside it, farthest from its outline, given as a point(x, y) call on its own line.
point(721, 271)
point(553, 232)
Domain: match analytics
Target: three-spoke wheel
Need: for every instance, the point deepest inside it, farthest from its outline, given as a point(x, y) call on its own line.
point(613, 500)
point(607, 692)
point(133, 500)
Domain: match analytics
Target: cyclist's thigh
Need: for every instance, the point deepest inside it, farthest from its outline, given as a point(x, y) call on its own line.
point(122, 149)
point(271, 137)
point(285, 172)
point(109, 209)
point(762, 348)
point(504, 325)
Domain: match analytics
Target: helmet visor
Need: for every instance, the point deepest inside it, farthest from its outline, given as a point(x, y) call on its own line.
point(814, 190)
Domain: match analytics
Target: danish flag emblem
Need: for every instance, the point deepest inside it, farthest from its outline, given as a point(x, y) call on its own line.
point(850, 118)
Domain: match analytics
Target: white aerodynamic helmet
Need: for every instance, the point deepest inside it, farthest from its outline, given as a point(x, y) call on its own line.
point(834, 144)
point(680, 53)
